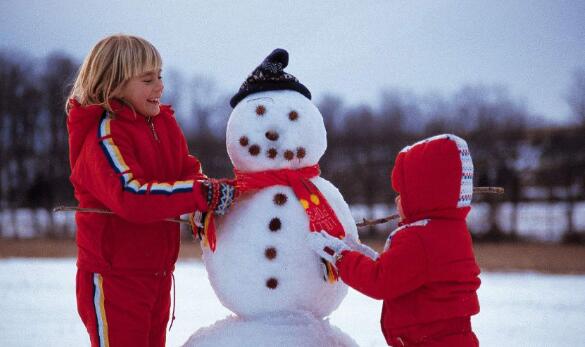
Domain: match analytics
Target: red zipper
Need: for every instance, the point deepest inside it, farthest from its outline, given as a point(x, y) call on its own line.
point(150, 122)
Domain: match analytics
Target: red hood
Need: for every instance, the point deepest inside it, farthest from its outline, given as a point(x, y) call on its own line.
point(83, 119)
point(434, 178)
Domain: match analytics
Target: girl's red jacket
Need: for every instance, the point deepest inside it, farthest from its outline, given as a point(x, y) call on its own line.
point(429, 272)
point(141, 172)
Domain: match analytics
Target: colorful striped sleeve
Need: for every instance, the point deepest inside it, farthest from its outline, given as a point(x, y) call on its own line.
point(113, 176)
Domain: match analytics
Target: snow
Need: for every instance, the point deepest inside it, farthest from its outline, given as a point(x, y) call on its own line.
point(37, 298)
point(307, 131)
point(273, 329)
point(243, 237)
point(262, 264)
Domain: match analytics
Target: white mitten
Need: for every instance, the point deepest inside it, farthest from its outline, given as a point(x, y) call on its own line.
point(326, 246)
point(356, 245)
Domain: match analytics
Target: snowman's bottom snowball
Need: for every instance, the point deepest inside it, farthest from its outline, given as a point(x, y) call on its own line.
point(284, 329)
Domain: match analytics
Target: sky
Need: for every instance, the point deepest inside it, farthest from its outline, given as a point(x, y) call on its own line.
point(351, 49)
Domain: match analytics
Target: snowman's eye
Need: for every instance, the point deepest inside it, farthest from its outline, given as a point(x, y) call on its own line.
point(260, 110)
point(293, 115)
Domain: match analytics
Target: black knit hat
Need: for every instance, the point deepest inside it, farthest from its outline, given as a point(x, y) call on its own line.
point(270, 76)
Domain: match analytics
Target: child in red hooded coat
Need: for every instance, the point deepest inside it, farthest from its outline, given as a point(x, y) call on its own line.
point(427, 274)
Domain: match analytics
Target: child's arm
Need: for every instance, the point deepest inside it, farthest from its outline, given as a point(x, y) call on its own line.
point(113, 175)
point(399, 270)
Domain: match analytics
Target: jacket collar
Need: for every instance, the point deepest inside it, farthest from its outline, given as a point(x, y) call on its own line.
point(123, 110)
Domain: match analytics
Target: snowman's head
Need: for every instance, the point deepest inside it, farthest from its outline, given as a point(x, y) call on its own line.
point(274, 124)
point(278, 129)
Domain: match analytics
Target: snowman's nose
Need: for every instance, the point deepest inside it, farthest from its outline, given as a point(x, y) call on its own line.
point(271, 135)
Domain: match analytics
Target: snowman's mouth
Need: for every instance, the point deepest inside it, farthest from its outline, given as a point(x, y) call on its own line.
point(255, 149)
point(272, 153)
point(288, 154)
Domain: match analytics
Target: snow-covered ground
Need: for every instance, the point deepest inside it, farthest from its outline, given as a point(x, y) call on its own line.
point(37, 301)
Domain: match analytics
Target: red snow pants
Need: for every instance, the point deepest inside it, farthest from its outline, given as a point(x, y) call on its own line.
point(455, 332)
point(124, 310)
point(467, 339)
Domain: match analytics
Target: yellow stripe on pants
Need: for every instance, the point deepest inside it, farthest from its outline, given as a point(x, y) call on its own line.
point(100, 311)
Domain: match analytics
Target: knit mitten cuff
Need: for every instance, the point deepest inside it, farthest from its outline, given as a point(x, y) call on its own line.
point(220, 196)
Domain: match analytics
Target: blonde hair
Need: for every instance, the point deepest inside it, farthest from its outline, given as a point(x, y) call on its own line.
point(112, 61)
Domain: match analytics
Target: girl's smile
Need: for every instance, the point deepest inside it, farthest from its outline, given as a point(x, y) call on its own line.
point(143, 92)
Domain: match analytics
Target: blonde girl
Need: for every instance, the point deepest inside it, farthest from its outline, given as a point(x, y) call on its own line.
point(128, 155)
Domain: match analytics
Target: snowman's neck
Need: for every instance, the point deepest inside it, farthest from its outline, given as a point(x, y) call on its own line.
point(247, 181)
point(321, 215)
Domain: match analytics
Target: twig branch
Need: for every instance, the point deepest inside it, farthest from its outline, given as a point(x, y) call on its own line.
point(367, 222)
point(488, 190)
point(98, 210)
point(476, 190)
point(363, 223)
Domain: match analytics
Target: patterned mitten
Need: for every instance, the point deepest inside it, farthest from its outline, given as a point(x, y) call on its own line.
point(220, 195)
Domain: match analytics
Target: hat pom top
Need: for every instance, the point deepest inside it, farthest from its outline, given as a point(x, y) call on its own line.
point(270, 75)
point(275, 62)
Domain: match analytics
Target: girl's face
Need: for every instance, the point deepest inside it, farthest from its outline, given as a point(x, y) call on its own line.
point(144, 92)
point(398, 203)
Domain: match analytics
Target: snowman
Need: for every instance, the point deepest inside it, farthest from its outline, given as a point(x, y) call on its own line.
point(260, 265)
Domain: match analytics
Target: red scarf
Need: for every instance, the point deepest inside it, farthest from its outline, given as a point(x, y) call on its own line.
point(321, 215)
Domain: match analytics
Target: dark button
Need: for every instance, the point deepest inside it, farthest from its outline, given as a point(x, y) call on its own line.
point(301, 152)
point(272, 283)
point(274, 224)
point(244, 141)
point(280, 199)
point(272, 135)
point(270, 253)
point(272, 153)
point(254, 149)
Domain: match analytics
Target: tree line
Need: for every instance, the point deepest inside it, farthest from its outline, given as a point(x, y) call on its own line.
point(532, 158)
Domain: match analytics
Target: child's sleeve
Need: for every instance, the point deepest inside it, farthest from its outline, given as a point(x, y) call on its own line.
point(400, 269)
point(113, 175)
